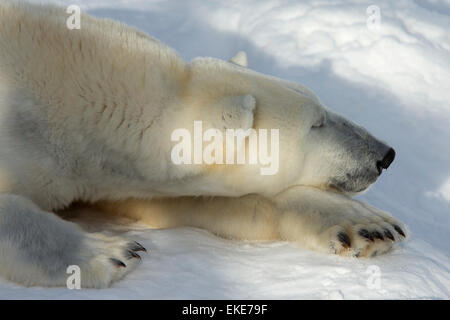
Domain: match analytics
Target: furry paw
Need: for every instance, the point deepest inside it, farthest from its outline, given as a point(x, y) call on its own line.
point(363, 231)
point(107, 259)
point(333, 223)
point(366, 239)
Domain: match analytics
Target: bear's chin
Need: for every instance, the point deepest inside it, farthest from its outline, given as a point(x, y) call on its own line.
point(349, 188)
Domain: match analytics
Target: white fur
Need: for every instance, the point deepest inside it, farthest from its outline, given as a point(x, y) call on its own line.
point(240, 59)
point(88, 114)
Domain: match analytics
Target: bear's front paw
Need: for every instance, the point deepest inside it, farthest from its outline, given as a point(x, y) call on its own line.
point(364, 238)
point(333, 223)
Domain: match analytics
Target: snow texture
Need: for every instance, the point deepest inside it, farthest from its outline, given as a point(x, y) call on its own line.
point(394, 80)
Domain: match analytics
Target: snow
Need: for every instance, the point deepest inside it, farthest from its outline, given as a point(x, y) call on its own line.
point(394, 80)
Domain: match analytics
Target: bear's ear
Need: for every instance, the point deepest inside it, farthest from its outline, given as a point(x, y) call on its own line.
point(236, 112)
point(240, 59)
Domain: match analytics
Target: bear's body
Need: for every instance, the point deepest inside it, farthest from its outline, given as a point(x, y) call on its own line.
point(88, 115)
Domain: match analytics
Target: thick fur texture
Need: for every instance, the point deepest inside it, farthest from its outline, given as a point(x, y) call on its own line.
point(88, 115)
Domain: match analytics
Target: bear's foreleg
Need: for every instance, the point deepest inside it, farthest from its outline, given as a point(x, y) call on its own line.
point(37, 248)
point(315, 219)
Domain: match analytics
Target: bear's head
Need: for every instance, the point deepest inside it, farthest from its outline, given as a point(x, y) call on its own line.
point(316, 147)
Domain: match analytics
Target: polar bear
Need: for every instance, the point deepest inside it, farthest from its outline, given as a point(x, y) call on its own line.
point(87, 115)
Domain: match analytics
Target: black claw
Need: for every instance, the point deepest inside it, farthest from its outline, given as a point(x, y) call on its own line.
point(366, 234)
point(399, 230)
point(132, 254)
point(377, 235)
point(388, 234)
point(344, 239)
point(136, 246)
point(118, 263)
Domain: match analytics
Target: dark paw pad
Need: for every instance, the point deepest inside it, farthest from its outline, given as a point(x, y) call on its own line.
point(365, 234)
point(399, 230)
point(388, 234)
point(132, 255)
point(377, 235)
point(136, 246)
point(117, 263)
point(344, 239)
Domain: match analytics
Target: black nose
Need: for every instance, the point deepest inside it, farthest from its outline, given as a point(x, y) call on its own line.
point(387, 160)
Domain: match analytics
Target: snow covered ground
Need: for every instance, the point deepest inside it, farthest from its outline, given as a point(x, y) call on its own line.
point(394, 80)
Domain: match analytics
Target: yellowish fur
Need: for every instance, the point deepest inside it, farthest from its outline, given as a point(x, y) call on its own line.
point(87, 115)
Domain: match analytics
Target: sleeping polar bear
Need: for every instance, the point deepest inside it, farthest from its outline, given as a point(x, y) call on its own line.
point(87, 115)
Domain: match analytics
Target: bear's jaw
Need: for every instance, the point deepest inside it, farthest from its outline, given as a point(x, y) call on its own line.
point(351, 187)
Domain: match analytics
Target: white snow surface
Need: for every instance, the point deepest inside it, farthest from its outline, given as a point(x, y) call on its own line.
point(395, 81)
